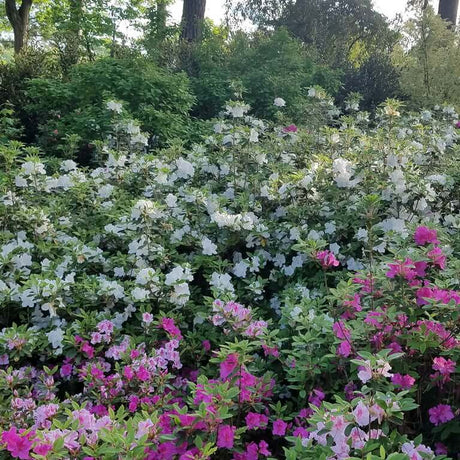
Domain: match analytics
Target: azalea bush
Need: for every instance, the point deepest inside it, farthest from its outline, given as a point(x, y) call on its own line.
point(273, 292)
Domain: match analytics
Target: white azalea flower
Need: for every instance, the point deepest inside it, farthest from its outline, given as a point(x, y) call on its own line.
point(209, 248)
point(114, 106)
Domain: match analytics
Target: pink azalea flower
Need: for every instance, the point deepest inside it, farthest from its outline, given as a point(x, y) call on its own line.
point(414, 452)
point(96, 338)
point(206, 345)
point(227, 367)
point(358, 438)
point(147, 318)
point(344, 349)
point(255, 420)
point(256, 329)
point(133, 403)
point(252, 452)
point(365, 372)
point(420, 268)
point(316, 397)
point(168, 325)
point(88, 350)
point(128, 373)
point(423, 294)
point(279, 427)
point(300, 432)
point(105, 327)
point(355, 304)
point(441, 413)
point(437, 329)
point(144, 427)
point(424, 235)
point(327, 259)
point(440, 449)
point(225, 436)
point(190, 454)
point(97, 373)
point(376, 413)
point(263, 449)
point(143, 374)
point(17, 444)
point(444, 366)
point(42, 414)
point(403, 381)
point(271, 351)
point(341, 331)
point(349, 390)
point(66, 370)
point(186, 419)
point(438, 258)
point(361, 414)
point(290, 129)
point(42, 449)
point(405, 268)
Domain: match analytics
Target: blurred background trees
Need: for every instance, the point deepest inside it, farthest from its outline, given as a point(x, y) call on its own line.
point(61, 58)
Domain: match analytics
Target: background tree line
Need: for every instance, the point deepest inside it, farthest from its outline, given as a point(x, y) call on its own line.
point(61, 59)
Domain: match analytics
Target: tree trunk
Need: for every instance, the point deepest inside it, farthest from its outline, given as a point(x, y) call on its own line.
point(158, 16)
point(192, 20)
point(74, 37)
point(448, 10)
point(19, 20)
point(162, 15)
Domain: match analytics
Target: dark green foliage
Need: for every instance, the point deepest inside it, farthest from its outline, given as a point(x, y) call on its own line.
point(376, 80)
point(268, 65)
point(13, 76)
point(157, 98)
point(332, 27)
point(348, 36)
point(10, 128)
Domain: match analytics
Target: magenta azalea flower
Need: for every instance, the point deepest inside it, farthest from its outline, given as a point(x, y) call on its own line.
point(405, 268)
point(438, 258)
point(440, 449)
point(279, 427)
point(403, 381)
point(344, 349)
point(227, 367)
point(255, 420)
point(441, 413)
point(327, 259)
point(225, 437)
point(425, 235)
point(290, 129)
point(444, 366)
point(17, 444)
point(168, 325)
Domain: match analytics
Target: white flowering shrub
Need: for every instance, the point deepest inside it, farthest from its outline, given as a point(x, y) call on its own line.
point(260, 294)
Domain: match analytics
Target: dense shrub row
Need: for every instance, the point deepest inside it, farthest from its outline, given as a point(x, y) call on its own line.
point(272, 292)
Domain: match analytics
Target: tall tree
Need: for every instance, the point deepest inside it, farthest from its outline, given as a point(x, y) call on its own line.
point(74, 33)
point(19, 20)
point(448, 10)
point(192, 20)
point(337, 29)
